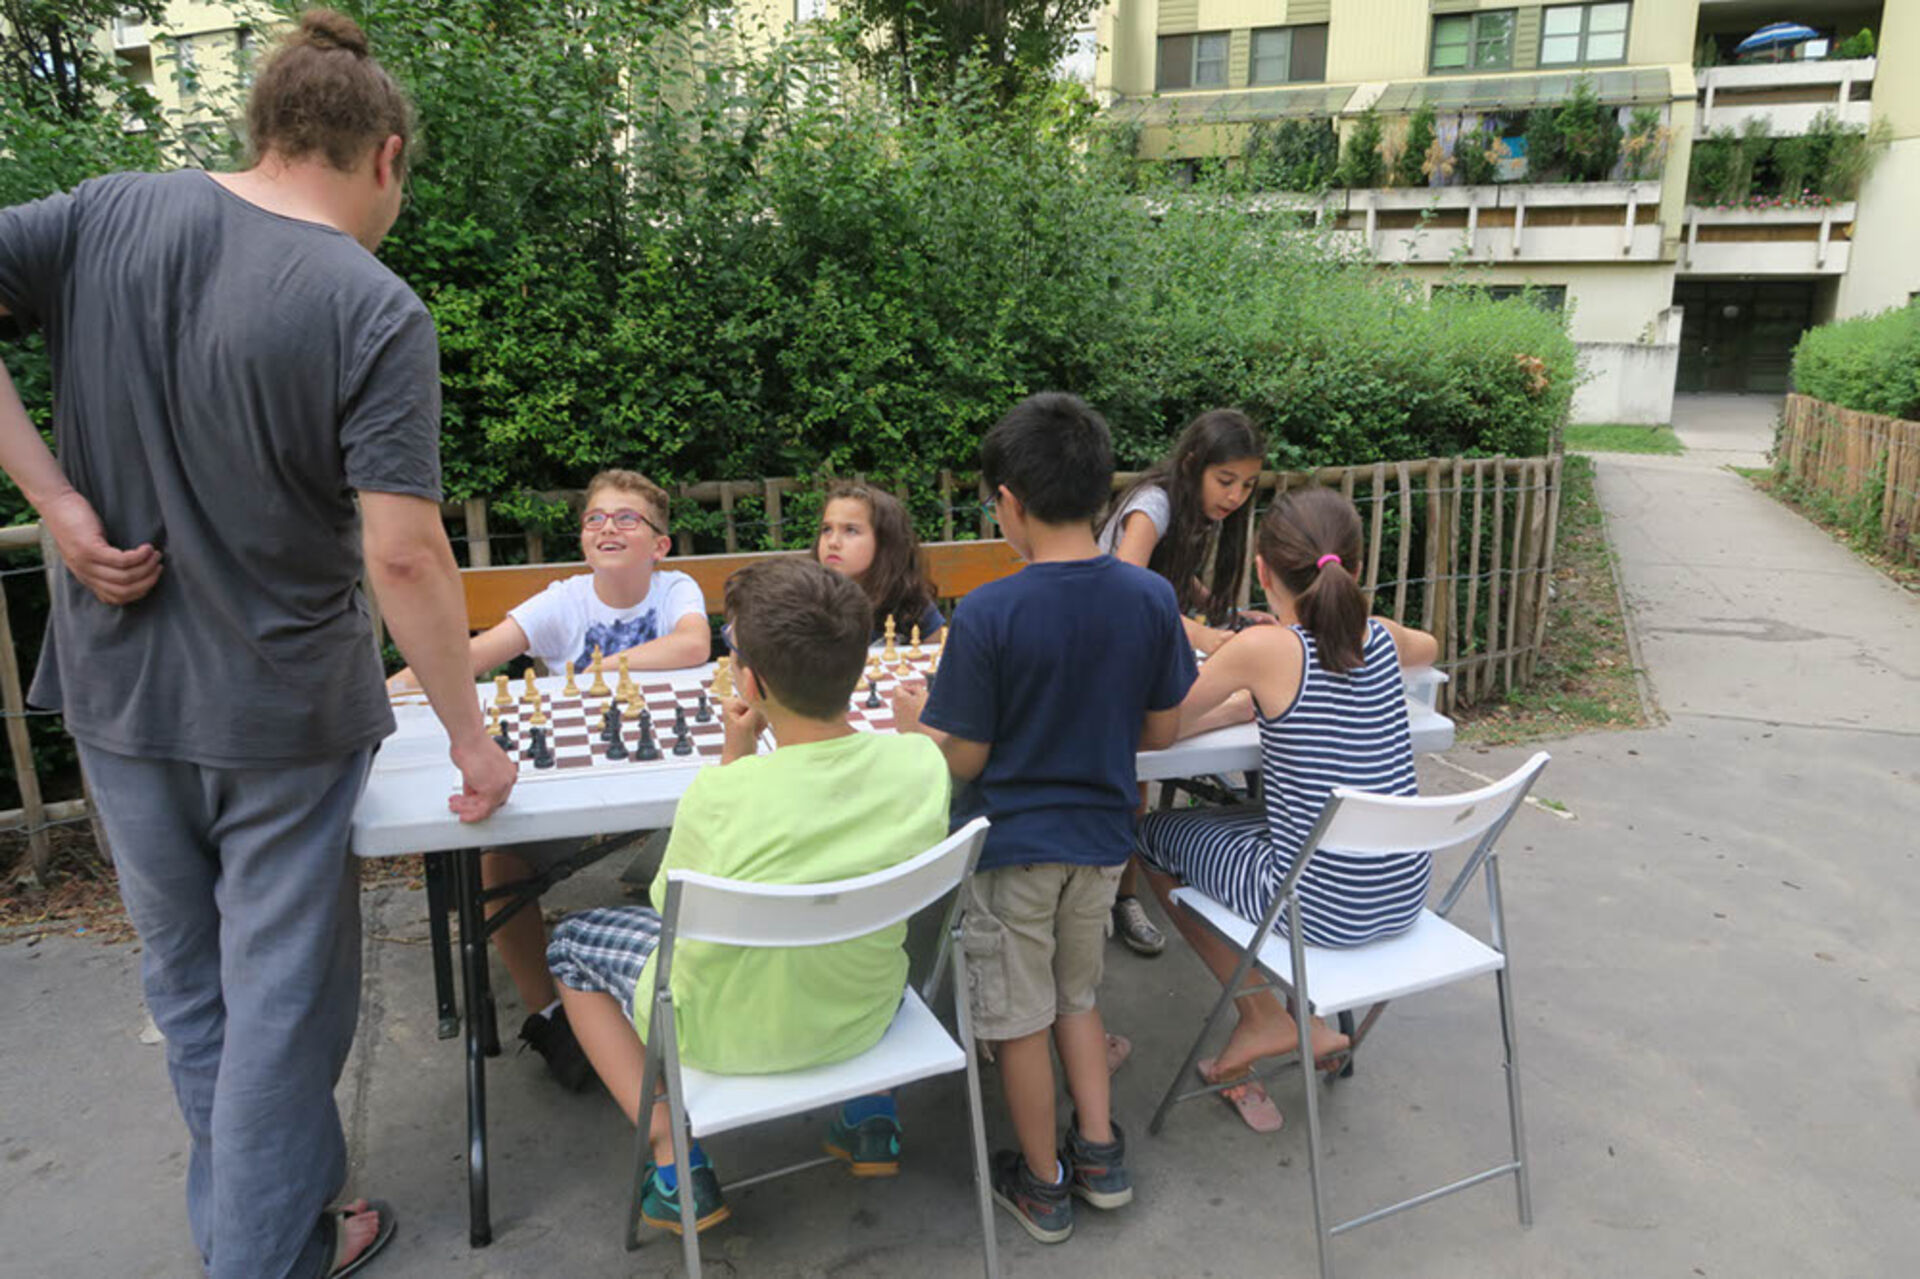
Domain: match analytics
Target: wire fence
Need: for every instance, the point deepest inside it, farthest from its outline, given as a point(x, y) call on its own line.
point(1867, 465)
point(1460, 547)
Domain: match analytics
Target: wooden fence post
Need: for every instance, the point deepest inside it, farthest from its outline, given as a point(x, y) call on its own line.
point(1379, 500)
point(479, 548)
point(19, 741)
point(1401, 473)
point(1551, 475)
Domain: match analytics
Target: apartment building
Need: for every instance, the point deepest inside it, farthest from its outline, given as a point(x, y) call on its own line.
point(1661, 292)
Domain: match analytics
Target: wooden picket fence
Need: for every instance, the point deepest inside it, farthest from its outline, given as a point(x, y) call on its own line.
point(1860, 460)
point(1461, 547)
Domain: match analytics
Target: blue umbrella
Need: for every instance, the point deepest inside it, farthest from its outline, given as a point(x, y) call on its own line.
point(1776, 35)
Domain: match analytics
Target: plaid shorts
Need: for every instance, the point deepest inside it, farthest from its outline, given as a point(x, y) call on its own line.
point(604, 949)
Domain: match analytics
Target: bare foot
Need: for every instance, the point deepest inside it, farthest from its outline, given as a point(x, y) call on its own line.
point(1268, 1035)
point(358, 1227)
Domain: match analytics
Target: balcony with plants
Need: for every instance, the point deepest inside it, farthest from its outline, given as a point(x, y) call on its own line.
point(1759, 204)
point(1575, 181)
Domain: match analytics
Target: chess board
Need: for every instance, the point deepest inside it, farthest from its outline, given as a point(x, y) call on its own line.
point(574, 724)
point(879, 719)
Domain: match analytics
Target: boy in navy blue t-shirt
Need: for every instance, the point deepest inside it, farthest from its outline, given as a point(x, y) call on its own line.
point(1051, 681)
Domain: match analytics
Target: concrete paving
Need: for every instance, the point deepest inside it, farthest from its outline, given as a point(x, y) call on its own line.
point(1715, 966)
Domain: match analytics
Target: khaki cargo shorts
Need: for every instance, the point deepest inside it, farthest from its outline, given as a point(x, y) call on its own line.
point(1036, 940)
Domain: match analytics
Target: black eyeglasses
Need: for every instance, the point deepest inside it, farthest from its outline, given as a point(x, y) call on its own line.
point(626, 520)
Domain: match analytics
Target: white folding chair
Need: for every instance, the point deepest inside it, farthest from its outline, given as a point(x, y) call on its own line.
point(1431, 954)
point(916, 1046)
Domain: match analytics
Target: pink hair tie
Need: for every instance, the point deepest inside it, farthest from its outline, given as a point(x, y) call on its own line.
point(1324, 560)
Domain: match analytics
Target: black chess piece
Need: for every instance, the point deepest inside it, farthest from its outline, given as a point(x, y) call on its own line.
point(701, 711)
point(682, 737)
point(537, 747)
point(873, 702)
point(504, 738)
point(610, 723)
point(616, 739)
point(646, 748)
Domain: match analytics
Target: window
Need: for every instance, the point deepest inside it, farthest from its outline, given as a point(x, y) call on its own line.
point(1571, 34)
point(1548, 297)
point(1288, 55)
point(1193, 61)
point(1473, 41)
point(1081, 58)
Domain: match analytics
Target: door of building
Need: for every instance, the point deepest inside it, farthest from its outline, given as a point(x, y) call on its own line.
point(1738, 335)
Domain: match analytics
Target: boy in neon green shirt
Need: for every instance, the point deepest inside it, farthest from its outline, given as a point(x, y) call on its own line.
point(828, 803)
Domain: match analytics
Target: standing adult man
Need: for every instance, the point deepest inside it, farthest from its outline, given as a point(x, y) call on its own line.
point(231, 365)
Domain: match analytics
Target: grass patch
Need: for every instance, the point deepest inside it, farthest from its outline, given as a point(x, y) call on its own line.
point(1618, 437)
point(1585, 678)
point(1842, 520)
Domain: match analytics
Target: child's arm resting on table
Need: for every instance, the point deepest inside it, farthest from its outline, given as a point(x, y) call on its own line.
point(966, 759)
point(687, 644)
point(486, 650)
point(1416, 648)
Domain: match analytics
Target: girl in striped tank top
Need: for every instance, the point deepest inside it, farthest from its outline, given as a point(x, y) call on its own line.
point(1325, 690)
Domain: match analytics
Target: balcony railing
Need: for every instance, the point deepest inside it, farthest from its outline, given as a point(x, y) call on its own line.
point(1591, 222)
point(1801, 241)
point(1788, 94)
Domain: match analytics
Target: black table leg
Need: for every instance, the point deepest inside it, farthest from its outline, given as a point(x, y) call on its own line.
point(473, 971)
point(441, 943)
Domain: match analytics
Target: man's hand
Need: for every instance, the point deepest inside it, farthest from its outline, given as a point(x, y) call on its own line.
point(487, 776)
point(909, 698)
point(743, 726)
point(115, 576)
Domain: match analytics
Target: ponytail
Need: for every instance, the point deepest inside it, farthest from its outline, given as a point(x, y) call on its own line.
point(1310, 540)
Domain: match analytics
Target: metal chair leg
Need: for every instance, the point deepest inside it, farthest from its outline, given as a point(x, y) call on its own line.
point(1523, 1190)
point(982, 1175)
point(1303, 1018)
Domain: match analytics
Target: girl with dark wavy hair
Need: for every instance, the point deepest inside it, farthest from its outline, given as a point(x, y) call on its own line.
point(866, 534)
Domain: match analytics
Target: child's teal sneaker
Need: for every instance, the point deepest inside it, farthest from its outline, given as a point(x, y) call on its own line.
point(660, 1207)
point(870, 1148)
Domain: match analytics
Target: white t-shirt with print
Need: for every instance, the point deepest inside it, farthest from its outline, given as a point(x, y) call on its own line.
point(568, 620)
point(1151, 501)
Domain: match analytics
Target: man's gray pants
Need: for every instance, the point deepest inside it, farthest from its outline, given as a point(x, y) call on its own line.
point(248, 907)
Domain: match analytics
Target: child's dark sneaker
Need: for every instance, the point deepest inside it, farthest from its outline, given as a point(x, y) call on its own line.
point(1046, 1211)
point(870, 1148)
point(1096, 1172)
point(660, 1207)
point(553, 1039)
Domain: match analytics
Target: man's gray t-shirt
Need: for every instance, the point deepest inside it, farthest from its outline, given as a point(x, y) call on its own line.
point(225, 379)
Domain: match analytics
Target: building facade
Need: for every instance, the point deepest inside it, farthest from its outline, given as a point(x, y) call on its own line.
point(1667, 284)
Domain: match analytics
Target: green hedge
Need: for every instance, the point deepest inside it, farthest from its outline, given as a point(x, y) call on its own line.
point(1870, 364)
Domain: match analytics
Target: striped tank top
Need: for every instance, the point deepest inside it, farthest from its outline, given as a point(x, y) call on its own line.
point(1343, 730)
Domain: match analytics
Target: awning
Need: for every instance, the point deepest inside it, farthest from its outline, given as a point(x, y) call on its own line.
point(1633, 87)
point(1224, 108)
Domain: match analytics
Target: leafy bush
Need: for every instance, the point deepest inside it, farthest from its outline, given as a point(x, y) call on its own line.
point(1545, 149)
point(1477, 154)
point(1858, 45)
point(1361, 164)
point(1291, 155)
point(1825, 164)
point(1871, 364)
point(1409, 166)
point(1645, 145)
point(1589, 134)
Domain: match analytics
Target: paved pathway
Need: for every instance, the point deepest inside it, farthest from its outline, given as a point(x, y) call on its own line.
point(1716, 967)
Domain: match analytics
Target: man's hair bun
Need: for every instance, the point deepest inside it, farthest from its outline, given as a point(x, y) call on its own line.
point(331, 29)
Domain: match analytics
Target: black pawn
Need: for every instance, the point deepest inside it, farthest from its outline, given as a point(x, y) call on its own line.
point(505, 736)
point(703, 712)
point(873, 702)
point(610, 722)
point(646, 749)
point(682, 738)
point(537, 746)
point(616, 741)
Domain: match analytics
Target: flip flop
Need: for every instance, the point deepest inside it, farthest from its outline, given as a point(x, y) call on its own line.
point(334, 1218)
point(1255, 1108)
point(1119, 1048)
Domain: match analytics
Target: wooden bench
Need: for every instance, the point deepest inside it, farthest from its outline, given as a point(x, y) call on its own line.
point(955, 568)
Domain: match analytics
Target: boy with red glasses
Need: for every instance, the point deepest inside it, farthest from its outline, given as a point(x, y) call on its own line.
point(625, 605)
